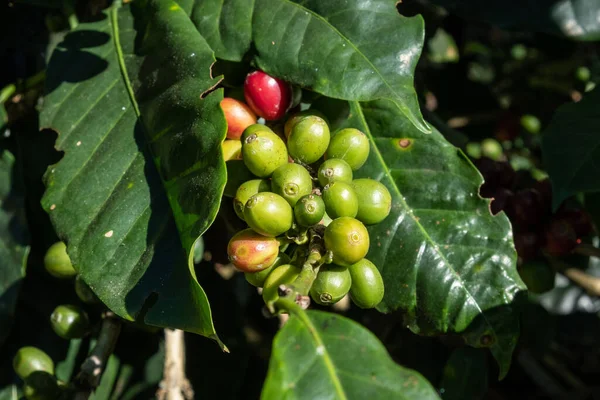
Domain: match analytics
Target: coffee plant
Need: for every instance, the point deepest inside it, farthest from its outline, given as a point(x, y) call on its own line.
point(282, 199)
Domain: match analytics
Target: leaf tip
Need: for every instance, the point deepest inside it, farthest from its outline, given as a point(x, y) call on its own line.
point(224, 348)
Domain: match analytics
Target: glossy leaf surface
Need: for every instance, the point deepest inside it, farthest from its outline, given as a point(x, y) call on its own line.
point(142, 172)
point(352, 50)
point(226, 25)
point(319, 355)
point(445, 260)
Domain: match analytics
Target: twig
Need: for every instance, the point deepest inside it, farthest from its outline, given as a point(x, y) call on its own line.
point(587, 250)
point(297, 291)
point(590, 283)
point(174, 385)
point(93, 366)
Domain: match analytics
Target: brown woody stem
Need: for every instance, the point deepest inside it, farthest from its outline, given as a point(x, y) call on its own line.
point(175, 385)
point(93, 366)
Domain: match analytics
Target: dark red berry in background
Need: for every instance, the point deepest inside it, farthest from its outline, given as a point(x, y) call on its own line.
point(560, 237)
point(269, 97)
point(525, 210)
point(497, 174)
point(500, 199)
point(508, 126)
point(544, 188)
point(528, 245)
point(579, 220)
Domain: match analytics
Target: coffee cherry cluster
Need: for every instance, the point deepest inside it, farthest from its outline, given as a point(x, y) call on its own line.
point(536, 229)
point(300, 195)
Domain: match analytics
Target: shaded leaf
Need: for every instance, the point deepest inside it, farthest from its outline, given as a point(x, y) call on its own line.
point(465, 375)
point(571, 148)
point(142, 172)
point(352, 50)
point(319, 355)
point(226, 25)
point(14, 242)
point(445, 260)
point(575, 19)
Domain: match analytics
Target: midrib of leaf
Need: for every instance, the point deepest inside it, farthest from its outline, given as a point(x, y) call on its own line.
point(299, 313)
point(433, 244)
point(351, 44)
point(117, 41)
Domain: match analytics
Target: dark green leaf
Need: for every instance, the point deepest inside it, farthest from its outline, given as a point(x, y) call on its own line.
point(226, 25)
point(3, 118)
point(141, 137)
point(571, 148)
point(465, 375)
point(445, 260)
point(42, 3)
point(352, 50)
point(319, 355)
point(576, 19)
point(66, 367)
point(14, 242)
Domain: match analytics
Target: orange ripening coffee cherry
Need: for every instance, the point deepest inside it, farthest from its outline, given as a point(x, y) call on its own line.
point(251, 252)
point(238, 115)
point(268, 96)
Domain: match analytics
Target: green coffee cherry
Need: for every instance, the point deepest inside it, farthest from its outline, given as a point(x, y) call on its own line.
point(41, 386)
point(282, 275)
point(583, 74)
point(84, 292)
point(348, 240)
point(531, 123)
point(247, 190)
point(291, 181)
point(30, 359)
point(538, 276)
point(263, 151)
point(268, 214)
point(332, 284)
point(334, 170)
point(254, 128)
point(294, 119)
point(351, 145)
point(491, 148)
point(308, 139)
point(258, 278)
point(58, 263)
point(309, 210)
point(374, 201)
point(340, 200)
point(69, 322)
point(367, 288)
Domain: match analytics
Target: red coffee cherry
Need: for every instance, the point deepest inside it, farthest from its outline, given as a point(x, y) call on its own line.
point(269, 97)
